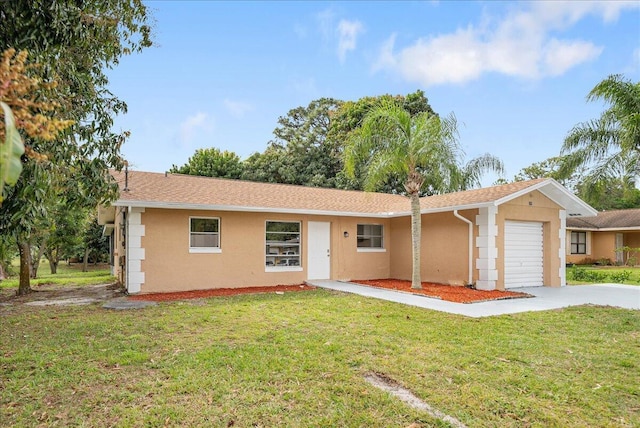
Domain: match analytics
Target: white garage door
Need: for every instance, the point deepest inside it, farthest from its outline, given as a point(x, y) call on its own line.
point(523, 255)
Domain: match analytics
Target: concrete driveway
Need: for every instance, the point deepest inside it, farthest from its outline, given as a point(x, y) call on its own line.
point(623, 296)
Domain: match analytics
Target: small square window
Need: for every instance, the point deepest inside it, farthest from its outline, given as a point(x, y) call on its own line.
point(204, 234)
point(370, 236)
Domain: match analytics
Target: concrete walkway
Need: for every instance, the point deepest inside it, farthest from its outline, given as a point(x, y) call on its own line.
point(623, 296)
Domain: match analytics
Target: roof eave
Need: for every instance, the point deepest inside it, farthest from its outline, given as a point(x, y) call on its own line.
point(209, 207)
point(606, 229)
point(455, 207)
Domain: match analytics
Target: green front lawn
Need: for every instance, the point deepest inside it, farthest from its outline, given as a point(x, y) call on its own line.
point(67, 275)
point(298, 360)
point(601, 274)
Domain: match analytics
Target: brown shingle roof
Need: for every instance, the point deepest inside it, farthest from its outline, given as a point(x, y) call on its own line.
point(181, 191)
point(176, 189)
point(476, 196)
point(608, 220)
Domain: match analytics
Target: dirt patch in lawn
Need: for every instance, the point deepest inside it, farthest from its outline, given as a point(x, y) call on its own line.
point(56, 295)
point(450, 293)
point(217, 292)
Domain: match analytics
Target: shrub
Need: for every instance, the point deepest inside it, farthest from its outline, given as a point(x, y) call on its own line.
point(586, 275)
point(578, 273)
point(621, 277)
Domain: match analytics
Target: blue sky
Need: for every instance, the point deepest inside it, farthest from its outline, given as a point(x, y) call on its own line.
point(515, 74)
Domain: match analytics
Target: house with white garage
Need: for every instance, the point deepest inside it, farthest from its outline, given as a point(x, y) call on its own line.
point(172, 232)
point(601, 239)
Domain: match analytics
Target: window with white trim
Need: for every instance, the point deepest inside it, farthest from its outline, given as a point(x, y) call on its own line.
point(204, 234)
point(370, 236)
point(282, 244)
point(578, 242)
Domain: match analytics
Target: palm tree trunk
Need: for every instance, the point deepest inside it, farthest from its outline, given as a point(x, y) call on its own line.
point(416, 238)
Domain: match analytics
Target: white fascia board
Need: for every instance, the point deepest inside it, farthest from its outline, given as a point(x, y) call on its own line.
point(179, 206)
point(583, 229)
point(391, 214)
point(586, 209)
point(615, 229)
point(606, 229)
point(457, 207)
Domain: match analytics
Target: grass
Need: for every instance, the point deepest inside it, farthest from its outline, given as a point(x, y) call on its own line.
point(299, 359)
point(607, 274)
point(68, 275)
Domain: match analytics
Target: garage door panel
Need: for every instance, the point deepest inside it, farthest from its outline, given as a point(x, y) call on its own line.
point(524, 256)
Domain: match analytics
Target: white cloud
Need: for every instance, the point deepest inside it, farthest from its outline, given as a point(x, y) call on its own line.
point(342, 36)
point(193, 125)
point(524, 44)
point(561, 56)
point(348, 32)
point(237, 108)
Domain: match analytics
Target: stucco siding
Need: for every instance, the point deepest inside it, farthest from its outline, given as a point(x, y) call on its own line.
point(169, 266)
point(444, 249)
point(603, 245)
point(348, 262)
point(632, 239)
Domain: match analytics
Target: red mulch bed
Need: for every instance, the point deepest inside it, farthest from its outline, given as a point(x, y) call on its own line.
point(450, 293)
point(216, 292)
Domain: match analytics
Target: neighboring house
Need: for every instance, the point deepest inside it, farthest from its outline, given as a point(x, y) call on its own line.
point(596, 239)
point(174, 232)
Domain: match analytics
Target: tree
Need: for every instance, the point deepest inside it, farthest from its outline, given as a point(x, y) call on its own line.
point(26, 109)
point(608, 146)
point(309, 142)
point(211, 162)
point(65, 229)
point(470, 174)
point(74, 42)
point(7, 254)
point(547, 168)
point(300, 153)
point(393, 143)
point(270, 166)
point(609, 193)
point(602, 193)
point(95, 244)
point(550, 168)
point(351, 114)
point(11, 151)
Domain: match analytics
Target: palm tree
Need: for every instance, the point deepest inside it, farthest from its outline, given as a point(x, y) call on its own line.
point(609, 147)
point(470, 174)
point(393, 143)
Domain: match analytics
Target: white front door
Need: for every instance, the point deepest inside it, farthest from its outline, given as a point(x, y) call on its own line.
point(319, 250)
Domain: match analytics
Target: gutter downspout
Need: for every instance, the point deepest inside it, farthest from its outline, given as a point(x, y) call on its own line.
point(455, 213)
